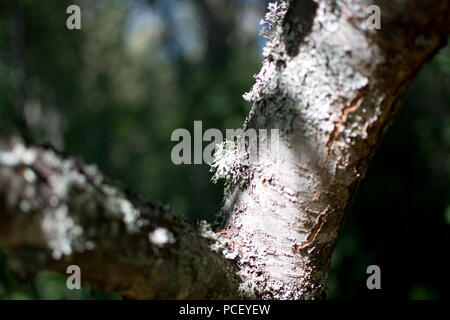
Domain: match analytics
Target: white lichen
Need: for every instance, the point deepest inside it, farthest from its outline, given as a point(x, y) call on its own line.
point(230, 164)
point(29, 175)
point(248, 289)
point(161, 237)
point(60, 230)
point(130, 214)
point(18, 155)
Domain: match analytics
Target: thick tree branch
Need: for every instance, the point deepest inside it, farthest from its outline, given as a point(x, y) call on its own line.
point(332, 87)
point(56, 211)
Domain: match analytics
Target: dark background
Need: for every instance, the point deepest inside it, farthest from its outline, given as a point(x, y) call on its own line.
point(113, 92)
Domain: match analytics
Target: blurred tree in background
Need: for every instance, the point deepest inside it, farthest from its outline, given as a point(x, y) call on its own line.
point(114, 91)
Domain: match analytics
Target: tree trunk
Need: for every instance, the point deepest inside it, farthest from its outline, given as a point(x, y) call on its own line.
point(332, 87)
point(328, 83)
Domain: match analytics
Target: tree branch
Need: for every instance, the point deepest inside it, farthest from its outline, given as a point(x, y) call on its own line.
point(56, 211)
point(331, 86)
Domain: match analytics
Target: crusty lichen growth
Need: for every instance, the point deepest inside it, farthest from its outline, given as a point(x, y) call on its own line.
point(217, 243)
point(205, 231)
point(231, 164)
point(321, 85)
point(59, 210)
point(249, 289)
point(66, 209)
point(271, 28)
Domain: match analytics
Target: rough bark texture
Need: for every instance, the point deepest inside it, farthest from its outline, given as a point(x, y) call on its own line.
point(331, 87)
point(56, 211)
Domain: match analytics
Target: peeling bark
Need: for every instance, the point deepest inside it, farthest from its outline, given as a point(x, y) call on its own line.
point(331, 87)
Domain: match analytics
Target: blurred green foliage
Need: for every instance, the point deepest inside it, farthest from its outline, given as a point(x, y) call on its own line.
point(114, 91)
point(46, 286)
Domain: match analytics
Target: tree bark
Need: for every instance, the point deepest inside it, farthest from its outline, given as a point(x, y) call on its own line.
point(332, 88)
point(56, 211)
point(328, 83)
